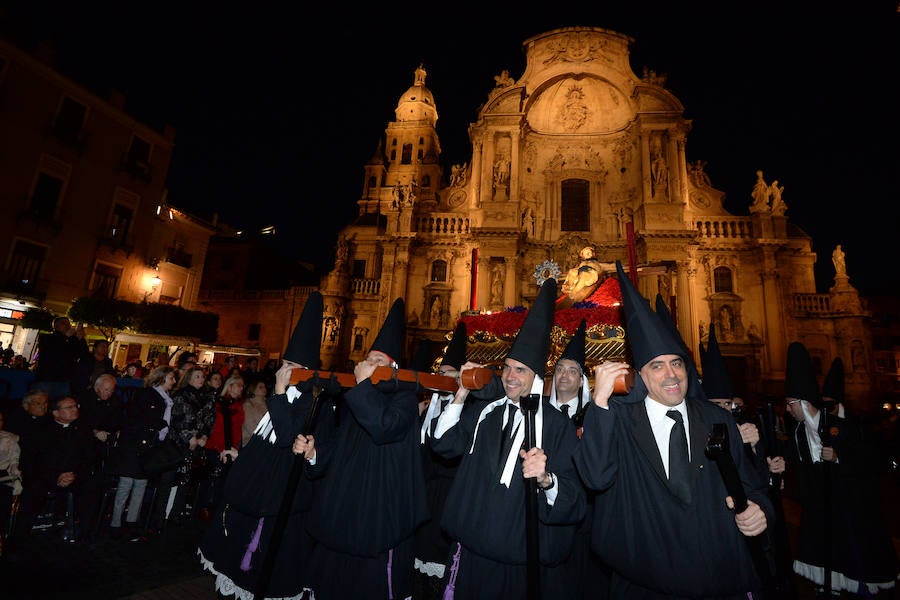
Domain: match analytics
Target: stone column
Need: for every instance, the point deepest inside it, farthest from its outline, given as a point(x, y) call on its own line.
point(476, 183)
point(484, 281)
point(510, 287)
point(646, 174)
point(686, 310)
point(773, 331)
point(487, 162)
point(514, 166)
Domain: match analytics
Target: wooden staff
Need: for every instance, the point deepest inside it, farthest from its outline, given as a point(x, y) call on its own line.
point(825, 438)
point(529, 405)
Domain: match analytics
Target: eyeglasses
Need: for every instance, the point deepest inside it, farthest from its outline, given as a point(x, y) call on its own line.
point(567, 370)
point(792, 402)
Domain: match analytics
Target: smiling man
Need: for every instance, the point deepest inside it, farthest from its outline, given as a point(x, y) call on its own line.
point(485, 512)
point(666, 532)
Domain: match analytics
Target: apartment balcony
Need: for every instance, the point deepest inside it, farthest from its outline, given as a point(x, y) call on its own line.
point(12, 284)
point(75, 139)
point(136, 168)
point(179, 257)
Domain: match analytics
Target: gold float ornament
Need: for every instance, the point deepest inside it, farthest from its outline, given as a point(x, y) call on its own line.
point(491, 335)
point(546, 270)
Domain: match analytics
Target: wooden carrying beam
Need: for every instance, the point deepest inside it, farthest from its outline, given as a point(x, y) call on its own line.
point(473, 378)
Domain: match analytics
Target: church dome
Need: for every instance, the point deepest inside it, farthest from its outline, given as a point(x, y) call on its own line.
point(417, 103)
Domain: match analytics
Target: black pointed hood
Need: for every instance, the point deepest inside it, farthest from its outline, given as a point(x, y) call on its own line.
point(455, 355)
point(648, 334)
point(423, 359)
point(574, 350)
point(716, 382)
point(799, 376)
point(532, 344)
point(306, 341)
point(833, 387)
point(390, 337)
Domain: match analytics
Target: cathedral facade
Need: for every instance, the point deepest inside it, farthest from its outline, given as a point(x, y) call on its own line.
point(581, 152)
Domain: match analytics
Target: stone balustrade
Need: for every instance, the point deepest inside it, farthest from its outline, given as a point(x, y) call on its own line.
point(441, 224)
point(365, 287)
point(725, 228)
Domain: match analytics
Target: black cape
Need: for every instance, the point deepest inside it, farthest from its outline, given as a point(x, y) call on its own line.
point(650, 538)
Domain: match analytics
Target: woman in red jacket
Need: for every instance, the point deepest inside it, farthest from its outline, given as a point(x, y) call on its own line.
point(225, 438)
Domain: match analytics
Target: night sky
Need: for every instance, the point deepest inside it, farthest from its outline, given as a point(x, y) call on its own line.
point(277, 109)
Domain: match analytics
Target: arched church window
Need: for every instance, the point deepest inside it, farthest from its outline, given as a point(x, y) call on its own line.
point(439, 270)
point(426, 180)
point(357, 342)
point(722, 281)
point(406, 158)
point(372, 181)
point(575, 210)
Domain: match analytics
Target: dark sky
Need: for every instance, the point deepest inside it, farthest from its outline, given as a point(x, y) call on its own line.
point(278, 108)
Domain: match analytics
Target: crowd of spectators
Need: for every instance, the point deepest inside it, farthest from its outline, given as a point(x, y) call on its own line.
point(75, 429)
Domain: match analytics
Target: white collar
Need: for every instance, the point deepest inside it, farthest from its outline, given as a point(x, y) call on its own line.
point(506, 475)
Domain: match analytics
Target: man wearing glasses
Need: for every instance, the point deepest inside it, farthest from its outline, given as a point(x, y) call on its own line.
point(62, 462)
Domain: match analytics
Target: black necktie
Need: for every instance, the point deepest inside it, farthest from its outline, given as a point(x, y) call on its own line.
point(803, 444)
point(679, 465)
point(565, 409)
point(506, 437)
point(434, 421)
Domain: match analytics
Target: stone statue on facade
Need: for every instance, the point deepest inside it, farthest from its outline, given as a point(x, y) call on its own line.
point(837, 258)
point(697, 173)
point(778, 205)
point(503, 79)
point(458, 175)
point(761, 193)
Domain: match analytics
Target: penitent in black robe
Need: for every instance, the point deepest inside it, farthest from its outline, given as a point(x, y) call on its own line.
point(657, 545)
point(487, 518)
point(253, 494)
point(372, 496)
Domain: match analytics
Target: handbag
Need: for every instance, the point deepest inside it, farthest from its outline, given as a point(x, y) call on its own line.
point(161, 457)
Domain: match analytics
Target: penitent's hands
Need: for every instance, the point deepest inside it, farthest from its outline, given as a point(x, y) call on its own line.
point(462, 392)
point(363, 370)
point(605, 375)
point(534, 464)
point(283, 376)
point(752, 521)
point(305, 445)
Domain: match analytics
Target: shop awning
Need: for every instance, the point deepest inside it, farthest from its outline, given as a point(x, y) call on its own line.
point(154, 340)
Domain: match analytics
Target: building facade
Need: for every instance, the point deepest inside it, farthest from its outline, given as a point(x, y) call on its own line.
point(82, 192)
point(579, 151)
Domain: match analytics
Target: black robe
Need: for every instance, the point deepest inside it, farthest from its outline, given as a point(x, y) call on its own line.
point(254, 490)
point(372, 497)
point(861, 548)
point(656, 545)
point(488, 519)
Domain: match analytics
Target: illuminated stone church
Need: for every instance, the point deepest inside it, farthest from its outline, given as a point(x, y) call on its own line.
point(579, 152)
